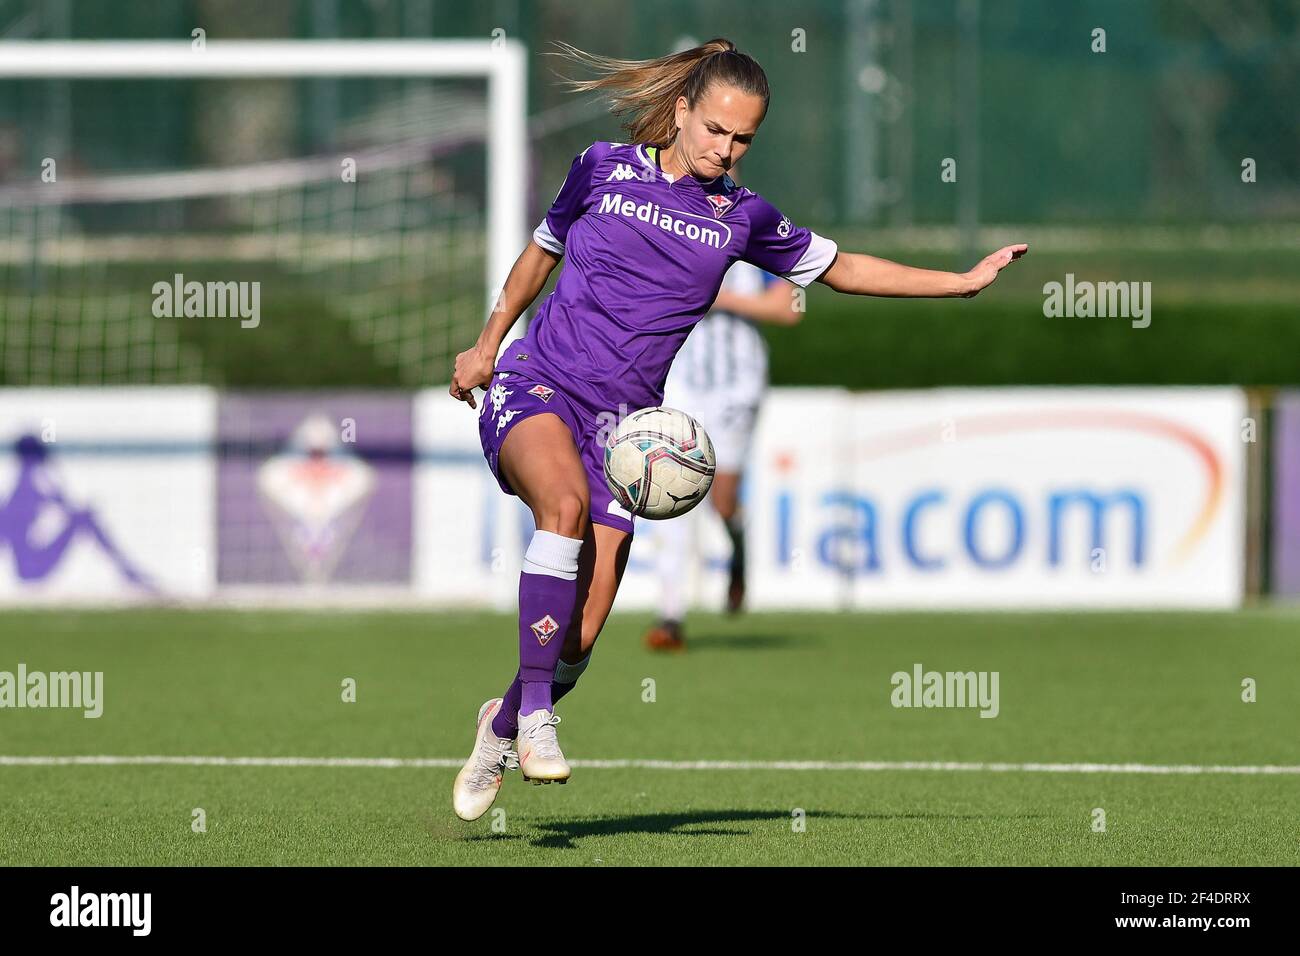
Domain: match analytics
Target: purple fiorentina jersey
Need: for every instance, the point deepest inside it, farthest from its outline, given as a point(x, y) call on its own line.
point(645, 256)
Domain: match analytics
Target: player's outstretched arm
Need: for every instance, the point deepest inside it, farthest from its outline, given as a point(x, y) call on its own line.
point(859, 274)
point(527, 277)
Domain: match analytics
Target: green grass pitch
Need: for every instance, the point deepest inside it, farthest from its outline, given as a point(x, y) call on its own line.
point(1157, 689)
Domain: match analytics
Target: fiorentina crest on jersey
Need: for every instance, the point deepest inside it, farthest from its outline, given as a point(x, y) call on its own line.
point(542, 392)
point(720, 205)
point(544, 629)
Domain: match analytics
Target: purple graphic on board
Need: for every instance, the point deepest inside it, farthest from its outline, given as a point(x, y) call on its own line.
point(1286, 494)
point(314, 489)
point(36, 489)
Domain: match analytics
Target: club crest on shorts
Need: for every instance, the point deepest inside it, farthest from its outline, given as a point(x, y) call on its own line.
point(720, 205)
point(544, 629)
point(542, 392)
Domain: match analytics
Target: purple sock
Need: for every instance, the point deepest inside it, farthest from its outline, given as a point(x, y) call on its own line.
point(548, 591)
point(536, 696)
point(506, 722)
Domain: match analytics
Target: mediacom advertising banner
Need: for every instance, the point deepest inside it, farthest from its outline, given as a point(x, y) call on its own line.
point(1286, 495)
point(1010, 498)
point(106, 494)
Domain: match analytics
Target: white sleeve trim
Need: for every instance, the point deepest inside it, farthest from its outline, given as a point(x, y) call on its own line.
point(815, 260)
point(543, 237)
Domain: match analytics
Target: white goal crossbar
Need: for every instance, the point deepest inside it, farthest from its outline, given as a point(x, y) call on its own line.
point(502, 62)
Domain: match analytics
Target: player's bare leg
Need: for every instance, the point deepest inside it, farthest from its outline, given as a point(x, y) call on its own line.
point(601, 567)
point(541, 463)
point(539, 460)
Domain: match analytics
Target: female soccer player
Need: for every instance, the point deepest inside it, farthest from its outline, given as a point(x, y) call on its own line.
point(649, 228)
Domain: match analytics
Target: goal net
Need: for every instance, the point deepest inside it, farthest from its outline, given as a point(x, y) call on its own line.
point(254, 213)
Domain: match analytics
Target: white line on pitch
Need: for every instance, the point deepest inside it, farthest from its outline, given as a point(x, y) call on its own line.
point(448, 762)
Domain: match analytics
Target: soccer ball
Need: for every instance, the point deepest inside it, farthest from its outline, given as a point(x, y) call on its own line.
point(659, 463)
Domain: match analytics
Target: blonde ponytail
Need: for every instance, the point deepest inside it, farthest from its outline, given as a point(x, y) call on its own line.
point(645, 92)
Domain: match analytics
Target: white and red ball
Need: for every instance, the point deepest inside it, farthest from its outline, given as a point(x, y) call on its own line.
point(659, 463)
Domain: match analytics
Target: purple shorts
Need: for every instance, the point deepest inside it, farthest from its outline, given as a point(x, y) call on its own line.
point(510, 399)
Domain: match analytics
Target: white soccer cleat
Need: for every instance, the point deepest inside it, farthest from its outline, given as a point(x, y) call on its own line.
point(540, 758)
point(479, 780)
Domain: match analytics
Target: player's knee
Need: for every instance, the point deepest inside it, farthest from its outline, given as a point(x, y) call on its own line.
point(564, 512)
point(570, 512)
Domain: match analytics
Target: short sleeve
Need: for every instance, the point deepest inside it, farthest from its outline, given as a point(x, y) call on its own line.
point(570, 202)
point(778, 246)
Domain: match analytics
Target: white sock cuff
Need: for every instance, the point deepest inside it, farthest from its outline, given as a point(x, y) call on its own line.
point(569, 673)
point(553, 554)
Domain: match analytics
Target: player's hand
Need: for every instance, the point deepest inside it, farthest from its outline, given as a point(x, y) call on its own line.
point(473, 370)
point(982, 276)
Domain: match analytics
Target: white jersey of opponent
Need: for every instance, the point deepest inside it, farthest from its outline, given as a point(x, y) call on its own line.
point(726, 352)
point(720, 373)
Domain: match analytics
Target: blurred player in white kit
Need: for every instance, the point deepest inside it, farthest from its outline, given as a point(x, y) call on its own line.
point(718, 378)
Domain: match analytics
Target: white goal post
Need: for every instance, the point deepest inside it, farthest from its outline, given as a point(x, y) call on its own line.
point(502, 62)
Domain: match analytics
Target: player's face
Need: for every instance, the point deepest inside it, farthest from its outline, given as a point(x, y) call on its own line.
point(717, 132)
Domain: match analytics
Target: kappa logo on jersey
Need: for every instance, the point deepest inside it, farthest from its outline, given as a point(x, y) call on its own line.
point(720, 205)
point(542, 392)
point(783, 227)
point(498, 397)
point(621, 173)
point(505, 418)
point(544, 629)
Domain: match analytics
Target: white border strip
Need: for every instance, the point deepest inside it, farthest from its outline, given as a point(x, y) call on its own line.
point(450, 762)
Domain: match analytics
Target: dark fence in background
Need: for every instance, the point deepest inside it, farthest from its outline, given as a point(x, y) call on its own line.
point(870, 96)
